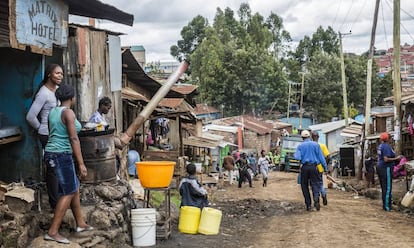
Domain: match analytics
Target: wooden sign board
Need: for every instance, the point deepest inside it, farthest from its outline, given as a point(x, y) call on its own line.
point(39, 24)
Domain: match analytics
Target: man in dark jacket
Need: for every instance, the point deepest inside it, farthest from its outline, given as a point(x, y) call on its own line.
point(244, 173)
point(191, 191)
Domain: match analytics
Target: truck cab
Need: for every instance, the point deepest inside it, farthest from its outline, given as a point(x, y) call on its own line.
point(287, 153)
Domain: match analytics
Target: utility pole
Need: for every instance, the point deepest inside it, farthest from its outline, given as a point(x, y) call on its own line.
point(301, 100)
point(288, 108)
point(369, 80)
point(397, 77)
point(345, 98)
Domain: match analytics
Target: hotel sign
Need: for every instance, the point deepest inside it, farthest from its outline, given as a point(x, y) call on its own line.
point(40, 24)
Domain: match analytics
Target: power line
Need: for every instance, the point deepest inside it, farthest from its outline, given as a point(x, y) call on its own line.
point(336, 15)
point(407, 31)
point(359, 14)
point(347, 13)
point(389, 5)
point(383, 23)
point(412, 17)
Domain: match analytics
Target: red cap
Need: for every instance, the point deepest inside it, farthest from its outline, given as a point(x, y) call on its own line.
point(384, 136)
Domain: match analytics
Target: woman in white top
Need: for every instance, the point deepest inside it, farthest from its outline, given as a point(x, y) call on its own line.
point(264, 167)
point(37, 117)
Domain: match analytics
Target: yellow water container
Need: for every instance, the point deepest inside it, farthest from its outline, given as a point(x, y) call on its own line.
point(189, 219)
point(210, 221)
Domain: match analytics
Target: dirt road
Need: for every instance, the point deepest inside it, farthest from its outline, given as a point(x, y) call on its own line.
point(275, 217)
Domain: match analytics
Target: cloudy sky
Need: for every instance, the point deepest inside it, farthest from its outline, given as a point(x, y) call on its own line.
point(158, 23)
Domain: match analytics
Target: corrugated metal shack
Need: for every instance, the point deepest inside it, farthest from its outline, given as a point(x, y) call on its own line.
point(32, 35)
point(175, 109)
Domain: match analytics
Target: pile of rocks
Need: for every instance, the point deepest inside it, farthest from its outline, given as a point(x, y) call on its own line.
point(105, 206)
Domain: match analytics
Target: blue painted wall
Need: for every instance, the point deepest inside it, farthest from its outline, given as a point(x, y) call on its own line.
point(21, 73)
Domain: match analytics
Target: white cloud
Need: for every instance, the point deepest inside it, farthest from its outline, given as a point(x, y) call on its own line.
point(158, 23)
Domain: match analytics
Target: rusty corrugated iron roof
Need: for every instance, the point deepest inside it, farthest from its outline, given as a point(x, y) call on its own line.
point(248, 122)
point(185, 89)
point(177, 104)
point(171, 102)
point(130, 94)
point(278, 124)
point(202, 108)
point(136, 75)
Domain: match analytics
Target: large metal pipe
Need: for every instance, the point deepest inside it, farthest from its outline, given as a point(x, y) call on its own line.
point(146, 112)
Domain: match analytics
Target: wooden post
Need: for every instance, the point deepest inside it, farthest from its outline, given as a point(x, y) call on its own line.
point(397, 78)
point(288, 107)
point(301, 100)
point(344, 94)
point(369, 83)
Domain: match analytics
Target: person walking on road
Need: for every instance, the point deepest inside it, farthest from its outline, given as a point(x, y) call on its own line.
point(385, 167)
point(228, 164)
point(253, 166)
point(264, 167)
point(244, 174)
point(325, 152)
point(310, 155)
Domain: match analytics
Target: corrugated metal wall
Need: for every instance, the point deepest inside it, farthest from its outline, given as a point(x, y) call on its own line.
point(87, 69)
point(4, 23)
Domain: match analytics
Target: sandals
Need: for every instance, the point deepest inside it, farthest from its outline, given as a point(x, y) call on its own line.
point(62, 241)
point(81, 229)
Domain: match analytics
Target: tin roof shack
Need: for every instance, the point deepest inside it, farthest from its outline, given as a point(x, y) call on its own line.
point(207, 113)
point(229, 133)
point(277, 134)
point(330, 133)
point(256, 134)
point(32, 35)
point(165, 122)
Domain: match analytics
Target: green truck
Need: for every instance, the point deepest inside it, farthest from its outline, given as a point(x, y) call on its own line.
point(287, 153)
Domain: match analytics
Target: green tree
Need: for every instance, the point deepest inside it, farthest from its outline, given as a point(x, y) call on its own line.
point(192, 35)
point(323, 89)
point(234, 65)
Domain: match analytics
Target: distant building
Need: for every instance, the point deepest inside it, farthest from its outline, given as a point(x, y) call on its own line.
point(384, 61)
point(206, 113)
point(162, 68)
point(138, 52)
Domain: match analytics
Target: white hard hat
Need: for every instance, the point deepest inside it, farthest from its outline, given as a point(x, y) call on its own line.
point(305, 134)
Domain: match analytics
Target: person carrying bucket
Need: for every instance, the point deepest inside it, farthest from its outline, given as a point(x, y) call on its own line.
point(191, 191)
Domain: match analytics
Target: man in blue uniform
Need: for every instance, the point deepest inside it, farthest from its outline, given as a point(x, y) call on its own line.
point(310, 154)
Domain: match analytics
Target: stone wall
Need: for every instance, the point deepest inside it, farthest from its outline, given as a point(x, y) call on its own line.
point(254, 141)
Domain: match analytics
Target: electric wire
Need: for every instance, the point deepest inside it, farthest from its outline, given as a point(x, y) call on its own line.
point(402, 25)
point(383, 24)
point(346, 16)
point(359, 14)
point(412, 17)
point(337, 11)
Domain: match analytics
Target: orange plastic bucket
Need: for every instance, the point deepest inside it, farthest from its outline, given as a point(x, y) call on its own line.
point(155, 174)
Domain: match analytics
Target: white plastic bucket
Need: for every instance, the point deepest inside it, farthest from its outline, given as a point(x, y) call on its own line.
point(143, 222)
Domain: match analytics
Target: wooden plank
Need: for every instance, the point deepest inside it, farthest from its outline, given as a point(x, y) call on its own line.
point(7, 140)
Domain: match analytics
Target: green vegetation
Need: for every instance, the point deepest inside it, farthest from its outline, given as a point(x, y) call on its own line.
point(157, 198)
point(243, 62)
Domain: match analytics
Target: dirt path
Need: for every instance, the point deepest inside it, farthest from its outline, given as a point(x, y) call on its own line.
point(275, 217)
